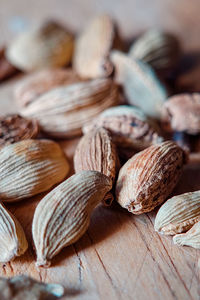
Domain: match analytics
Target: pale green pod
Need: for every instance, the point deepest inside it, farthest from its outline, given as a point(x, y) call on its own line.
point(140, 83)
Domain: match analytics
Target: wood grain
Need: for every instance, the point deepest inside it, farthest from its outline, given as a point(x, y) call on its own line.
point(120, 256)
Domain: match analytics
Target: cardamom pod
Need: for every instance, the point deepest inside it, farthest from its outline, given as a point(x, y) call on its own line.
point(63, 215)
point(178, 214)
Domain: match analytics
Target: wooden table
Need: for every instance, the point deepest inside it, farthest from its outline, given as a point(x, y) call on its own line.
point(120, 256)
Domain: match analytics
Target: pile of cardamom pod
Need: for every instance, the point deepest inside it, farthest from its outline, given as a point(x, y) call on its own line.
point(138, 133)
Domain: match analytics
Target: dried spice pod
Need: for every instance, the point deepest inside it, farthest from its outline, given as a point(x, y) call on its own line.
point(129, 126)
point(49, 45)
point(24, 287)
point(30, 167)
point(14, 128)
point(63, 111)
point(92, 47)
point(182, 113)
point(96, 151)
point(12, 237)
point(149, 177)
point(141, 85)
point(36, 84)
point(6, 68)
point(190, 238)
point(178, 214)
point(159, 49)
point(63, 215)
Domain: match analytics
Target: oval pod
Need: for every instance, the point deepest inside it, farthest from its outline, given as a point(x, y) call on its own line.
point(30, 167)
point(12, 237)
point(63, 215)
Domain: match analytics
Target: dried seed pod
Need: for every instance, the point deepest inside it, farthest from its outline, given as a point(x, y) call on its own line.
point(6, 69)
point(159, 49)
point(30, 167)
point(91, 57)
point(49, 45)
point(182, 113)
point(190, 238)
point(12, 237)
point(14, 128)
point(24, 287)
point(129, 127)
point(97, 152)
point(34, 85)
point(63, 111)
point(178, 214)
point(63, 215)
point(140, 84)
point(149, 177)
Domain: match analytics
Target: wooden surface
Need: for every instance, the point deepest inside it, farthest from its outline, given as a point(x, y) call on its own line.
point(120, 256)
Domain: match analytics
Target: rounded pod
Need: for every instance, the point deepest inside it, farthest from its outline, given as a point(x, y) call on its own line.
point(63, 111)
point(129, 127)
point(97, 152)
point(178, 214)
point(92, 47)
point(30, 167)
point(159, 49)
point(36, 84)
point(12, 237)
point(140, 84)
point(182, 113)
point(49, 45)
point(63, 215)
point(14, 128)
point(149, 177)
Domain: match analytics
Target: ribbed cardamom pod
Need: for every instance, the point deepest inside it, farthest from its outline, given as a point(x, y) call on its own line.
point(30, 167)
point(34, 85)
point(49, 45)
point(63, 111)
point(140, 83)
point(147, 178)
point(12, 237)
point(159, 49)
point(92, 47)
point(190, 238)
point(97, 152)
point(178, 214)
point(63, 215)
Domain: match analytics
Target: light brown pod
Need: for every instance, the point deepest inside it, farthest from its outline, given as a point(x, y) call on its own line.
point(149, 177)
point(49, 45)
point(159, 49)
point(12, 237)
point(63, 111)
point(190, 238)
point(96, 151)
point(63, 215)
point(140, 83)
point(92, 47)
point(182, 113)
point(14, 128)
point(30, 167)
point(34, 85)
point(26, 288)
point(178, 214)
point(129, 127)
